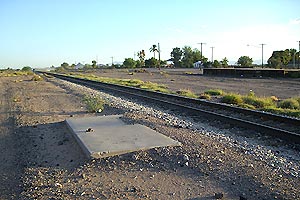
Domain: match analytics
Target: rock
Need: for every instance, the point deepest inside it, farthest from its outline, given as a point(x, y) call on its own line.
point(89, 130)
point(219, 195)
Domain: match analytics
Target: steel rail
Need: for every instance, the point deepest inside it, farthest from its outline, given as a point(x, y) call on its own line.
point(276, 132)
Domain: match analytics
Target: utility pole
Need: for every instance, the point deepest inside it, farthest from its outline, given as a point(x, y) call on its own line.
point(201, 43)
point(158, 49)
point(299, 55)
point(112, 61)
point(212, 54)
point(262, 55)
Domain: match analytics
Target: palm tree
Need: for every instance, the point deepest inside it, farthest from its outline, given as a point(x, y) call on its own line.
point(154, 49)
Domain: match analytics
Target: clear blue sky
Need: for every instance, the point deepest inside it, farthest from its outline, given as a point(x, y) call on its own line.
point(41, 33)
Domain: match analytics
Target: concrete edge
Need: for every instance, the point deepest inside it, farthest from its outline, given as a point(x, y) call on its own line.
point(85, 150)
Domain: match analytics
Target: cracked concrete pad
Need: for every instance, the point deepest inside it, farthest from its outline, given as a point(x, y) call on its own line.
point(106, 136)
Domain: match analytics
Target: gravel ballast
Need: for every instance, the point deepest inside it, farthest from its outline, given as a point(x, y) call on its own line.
point(213, 162)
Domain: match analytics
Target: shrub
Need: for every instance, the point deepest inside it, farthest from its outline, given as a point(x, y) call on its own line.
point(214, 92)
point(289, 104)
point(187, 93)
point(232, 99)
point(94, 103)
point(258, 102)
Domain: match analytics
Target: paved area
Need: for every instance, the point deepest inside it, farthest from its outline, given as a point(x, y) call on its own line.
point(105, 136)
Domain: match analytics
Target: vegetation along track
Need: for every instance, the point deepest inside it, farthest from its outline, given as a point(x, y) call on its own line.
point(286, 128)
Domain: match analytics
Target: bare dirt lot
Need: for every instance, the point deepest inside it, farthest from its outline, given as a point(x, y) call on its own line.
point(41, 160)
point(193, 79)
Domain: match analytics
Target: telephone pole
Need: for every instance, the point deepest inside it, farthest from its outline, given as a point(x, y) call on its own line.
point(112, 61)
point(212, 54)
point(201, 43)
point(299, 55)
point(158, 49)
point(262, 55)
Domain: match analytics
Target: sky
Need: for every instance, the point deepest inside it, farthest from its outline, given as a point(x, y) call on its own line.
point(42, 33)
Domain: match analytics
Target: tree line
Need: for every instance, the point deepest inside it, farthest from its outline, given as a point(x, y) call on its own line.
point(186, 57)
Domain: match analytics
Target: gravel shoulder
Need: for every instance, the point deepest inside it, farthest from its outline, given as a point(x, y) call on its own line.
point(46, 162)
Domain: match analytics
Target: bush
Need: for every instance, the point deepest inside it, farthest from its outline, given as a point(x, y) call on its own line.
point(214, 92)
point(289, 104)
point(232, 99)
point(94, 103)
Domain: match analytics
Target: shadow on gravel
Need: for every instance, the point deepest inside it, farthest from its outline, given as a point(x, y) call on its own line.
point(50, 145)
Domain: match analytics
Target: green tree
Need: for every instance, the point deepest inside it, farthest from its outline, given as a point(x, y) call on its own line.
point(245, 61)
point(141, 54)
point(129, 63)
point(188, 57)
point(216, 63)
point(153, 49)
point(176, 56)
point(94, 64)
point(224, 62)
point(281, 58)
point(26, 68)
point(65, 65)
point(152, 62)
point(138, 64)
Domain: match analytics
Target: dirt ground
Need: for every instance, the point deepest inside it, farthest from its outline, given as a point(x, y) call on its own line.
point(193, 79)
point(41, 160)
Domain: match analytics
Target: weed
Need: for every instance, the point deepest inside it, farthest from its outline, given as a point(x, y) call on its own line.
point(258, 102)
point(204, 96)
point(244, 105)
point(232, 99)
point(94, 103)
point(289, 104)
point(214, 92)
point(37, 78)
point(187, 93)
point(274, 98)
point(281, 111)
point(16, 99)
point(164, 73)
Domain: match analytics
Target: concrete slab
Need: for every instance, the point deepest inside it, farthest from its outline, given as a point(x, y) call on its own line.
point(111, 136)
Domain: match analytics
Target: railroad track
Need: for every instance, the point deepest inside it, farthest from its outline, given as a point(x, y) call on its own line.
point(282, 127)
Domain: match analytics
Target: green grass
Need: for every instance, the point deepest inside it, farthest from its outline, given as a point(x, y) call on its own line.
point(291, 103)
point(147, 85)
point(282, 111)
point(258, 102)
point(232, 98)
point(214, 92)
point(11, 72)
point(187, 93)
